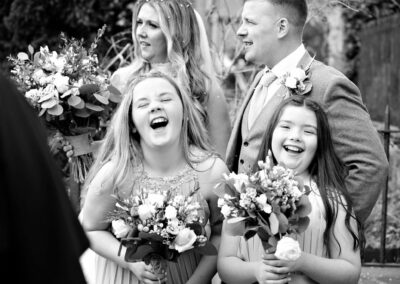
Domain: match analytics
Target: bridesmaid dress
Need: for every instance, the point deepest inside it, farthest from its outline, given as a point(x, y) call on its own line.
point(178, 272)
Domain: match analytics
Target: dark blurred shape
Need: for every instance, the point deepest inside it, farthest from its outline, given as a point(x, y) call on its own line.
point(41, 239)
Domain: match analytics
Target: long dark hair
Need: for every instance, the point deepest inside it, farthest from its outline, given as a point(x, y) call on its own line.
point(326, 169)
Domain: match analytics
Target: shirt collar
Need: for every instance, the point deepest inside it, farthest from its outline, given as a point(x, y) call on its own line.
point(289, 62)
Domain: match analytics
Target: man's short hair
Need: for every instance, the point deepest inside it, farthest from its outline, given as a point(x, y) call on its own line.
point(296, 11)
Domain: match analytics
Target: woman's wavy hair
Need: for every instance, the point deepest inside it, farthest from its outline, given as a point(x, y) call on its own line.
point(122, 143)
point(180, 27)
point(325, 168)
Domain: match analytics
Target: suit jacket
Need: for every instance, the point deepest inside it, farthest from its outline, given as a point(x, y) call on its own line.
point(356, 141)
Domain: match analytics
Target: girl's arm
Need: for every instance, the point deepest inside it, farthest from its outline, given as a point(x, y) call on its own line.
point(98, 204)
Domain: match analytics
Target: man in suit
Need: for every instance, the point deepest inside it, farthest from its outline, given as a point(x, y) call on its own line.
point(271, 31)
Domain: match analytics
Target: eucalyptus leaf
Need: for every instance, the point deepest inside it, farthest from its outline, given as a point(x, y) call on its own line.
point(56, 110)
point(74, 101)
point(94, 107)
point(81, 105)
point(49, 104)
point(82, 113)
point(274, 223)
point(101, 99)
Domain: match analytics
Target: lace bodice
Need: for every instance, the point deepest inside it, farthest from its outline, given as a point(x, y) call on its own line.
point(184, 182)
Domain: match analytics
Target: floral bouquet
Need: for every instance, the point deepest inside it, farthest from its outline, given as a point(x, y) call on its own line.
point(69, 91)
point(157, 227)
point(270, 203)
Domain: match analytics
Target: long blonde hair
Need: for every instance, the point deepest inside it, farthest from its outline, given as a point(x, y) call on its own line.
point(179, 23)
point(122, 146)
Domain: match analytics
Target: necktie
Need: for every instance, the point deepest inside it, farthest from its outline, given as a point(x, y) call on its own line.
point(260, 96)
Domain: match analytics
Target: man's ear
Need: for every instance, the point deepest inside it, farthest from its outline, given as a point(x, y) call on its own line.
point(283, 27)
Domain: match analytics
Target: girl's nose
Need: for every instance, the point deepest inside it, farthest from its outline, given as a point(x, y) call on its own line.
point(295, 135)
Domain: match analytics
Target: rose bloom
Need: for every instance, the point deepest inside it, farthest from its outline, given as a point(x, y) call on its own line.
point(120, 228)
point(156, 199)
point(61, 82)
point(146, 211)
point(226, 210)
point(298, 73)
point(170, 212)
point(288, 249)
point(184, 240)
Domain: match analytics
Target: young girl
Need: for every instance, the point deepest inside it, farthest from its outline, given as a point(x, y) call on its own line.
point(156, 140)
point(299, 136)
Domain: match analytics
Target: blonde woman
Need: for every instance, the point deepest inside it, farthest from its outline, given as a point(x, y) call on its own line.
point(169, 36)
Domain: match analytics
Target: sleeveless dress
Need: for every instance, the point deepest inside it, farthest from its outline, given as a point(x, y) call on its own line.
point(108, 272)
point(311, 240)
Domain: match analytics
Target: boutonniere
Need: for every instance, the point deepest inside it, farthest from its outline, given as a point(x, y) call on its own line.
point(297, 80)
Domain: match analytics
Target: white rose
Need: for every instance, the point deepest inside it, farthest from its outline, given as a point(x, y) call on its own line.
point(170, 212)
point(120, 228)
point(146, 211)
point(33, 95)
point(298, 73)
point(296, 192)
point(61, 82)
point(291, 82)
point(156, 199)
point(226, 210)
point(37, 75)
point(184, 240)
point(288, 249)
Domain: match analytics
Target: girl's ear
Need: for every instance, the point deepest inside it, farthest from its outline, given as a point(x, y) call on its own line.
point(283, 27)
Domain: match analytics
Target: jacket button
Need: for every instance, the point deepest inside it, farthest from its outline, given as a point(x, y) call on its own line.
point(241, 161)
point(245, 144)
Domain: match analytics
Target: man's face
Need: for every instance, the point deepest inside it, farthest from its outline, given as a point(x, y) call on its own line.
point(259, 31)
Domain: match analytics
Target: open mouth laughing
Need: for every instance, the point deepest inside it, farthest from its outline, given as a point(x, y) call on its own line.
point(293, 149)
point(158, 122)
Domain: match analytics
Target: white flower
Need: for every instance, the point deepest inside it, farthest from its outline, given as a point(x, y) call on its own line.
point(239, 180)
point(61, 82)
point(298, 74)
point(296, 192)
point(291, 82)
point(173, 226)
point(156, 199)
point(221, 202)
point(226, 210)
point(170, 212)
point(37, 75)
point(288, 249)
point(120, 228)
point(184, 240)
point(34, 95)
point(146, 211)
